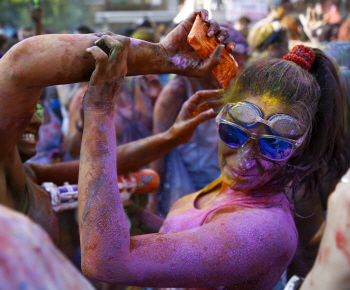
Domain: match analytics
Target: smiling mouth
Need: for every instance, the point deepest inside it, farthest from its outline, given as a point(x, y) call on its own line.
point(29, 137)
point(239, 174)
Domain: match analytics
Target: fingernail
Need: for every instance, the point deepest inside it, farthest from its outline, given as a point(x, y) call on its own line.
point(88, 49)
point(97, 42)
point(211, 33)
point(221, 38)
point(219, 51)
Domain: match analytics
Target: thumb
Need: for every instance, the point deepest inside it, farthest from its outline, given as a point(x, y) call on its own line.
point(99, 55)
point(213, 60)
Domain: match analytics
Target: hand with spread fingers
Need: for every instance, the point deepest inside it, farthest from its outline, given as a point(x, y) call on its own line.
point(109, 73)
point(312, 23)
point(196, 110)
point(182, 56)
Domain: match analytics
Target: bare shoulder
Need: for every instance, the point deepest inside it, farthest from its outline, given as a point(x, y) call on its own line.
point(265, 238)
point(249, 248)
point(271, 230)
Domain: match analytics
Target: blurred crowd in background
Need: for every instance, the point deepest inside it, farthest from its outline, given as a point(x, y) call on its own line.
point(140, 105)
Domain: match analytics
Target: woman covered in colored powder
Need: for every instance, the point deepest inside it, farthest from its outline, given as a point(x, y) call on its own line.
point(25, 70)
point(281, 128)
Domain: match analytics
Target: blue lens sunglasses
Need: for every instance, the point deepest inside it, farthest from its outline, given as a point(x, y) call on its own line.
point(277, 147)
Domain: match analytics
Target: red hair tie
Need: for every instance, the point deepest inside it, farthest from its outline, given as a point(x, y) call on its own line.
point(301, 55)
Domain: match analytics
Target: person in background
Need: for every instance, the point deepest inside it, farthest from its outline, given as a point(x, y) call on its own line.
point(277, 10)
point(8, 31)
point(344, 30)
point(25, 32)
point(242, 25)
point(49, 142)
point(269, 40)
point(36, 14)
point(3, 40)
point(321, 25)
point(29, 259)
point(66, 92)
point(293, 27)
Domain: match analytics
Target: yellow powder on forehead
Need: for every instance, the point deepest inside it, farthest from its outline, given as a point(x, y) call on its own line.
point(272, 101)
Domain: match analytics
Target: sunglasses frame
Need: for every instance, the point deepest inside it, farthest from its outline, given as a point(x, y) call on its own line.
point(256, 136)
point(259, 119)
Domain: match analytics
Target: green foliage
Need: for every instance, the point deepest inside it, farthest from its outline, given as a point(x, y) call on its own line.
point(58, 15)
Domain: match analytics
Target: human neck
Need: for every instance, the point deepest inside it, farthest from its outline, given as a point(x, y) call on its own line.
point(265, 190)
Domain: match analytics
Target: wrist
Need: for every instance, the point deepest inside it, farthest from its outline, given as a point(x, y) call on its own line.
point(172, 137)
point(94, 113)
point(167, 66)
point(147, 58)
point(106, 107)
point(101, 107)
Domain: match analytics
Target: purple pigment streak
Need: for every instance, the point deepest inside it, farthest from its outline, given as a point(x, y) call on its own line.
point(134, 41)
point(179, 62)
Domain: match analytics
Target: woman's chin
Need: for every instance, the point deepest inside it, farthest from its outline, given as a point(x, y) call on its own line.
point(239, 182)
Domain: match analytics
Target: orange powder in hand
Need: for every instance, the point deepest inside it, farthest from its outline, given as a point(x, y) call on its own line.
point(204, 46)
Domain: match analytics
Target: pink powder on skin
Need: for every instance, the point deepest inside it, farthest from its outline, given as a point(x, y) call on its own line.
point(342, 244)
point(179, 62)
point(134, 41)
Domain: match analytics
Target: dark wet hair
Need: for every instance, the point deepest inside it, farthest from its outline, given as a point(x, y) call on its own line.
point(318, 101)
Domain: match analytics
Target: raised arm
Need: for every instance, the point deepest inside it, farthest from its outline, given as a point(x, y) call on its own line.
point(58, 59)
point(28, 67)
point(55, 59)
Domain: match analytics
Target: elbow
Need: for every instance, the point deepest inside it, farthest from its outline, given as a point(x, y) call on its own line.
point(88, 270)
point(18, 56)
point(103, 271)
point(93, 271)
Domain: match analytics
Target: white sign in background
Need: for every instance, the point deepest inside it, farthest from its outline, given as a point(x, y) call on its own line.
point(253, 9)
